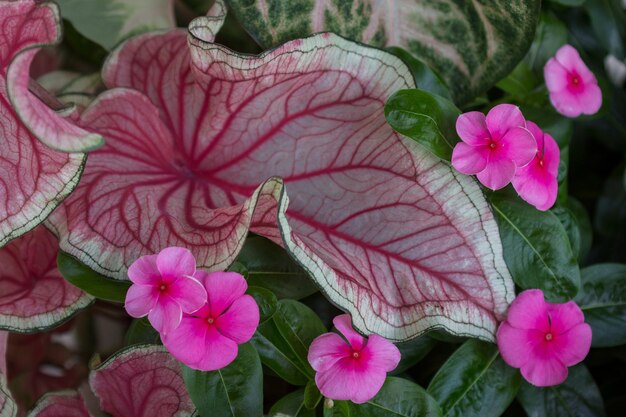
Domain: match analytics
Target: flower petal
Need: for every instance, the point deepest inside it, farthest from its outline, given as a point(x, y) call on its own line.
point(222, 288)
point(519, 145)
point(529, 311)
point(498, 172)
point(140, 300)
point(326, 350)
point(240, 321)
point(544, 371)
point(566, 103)
point(502, 118)
point(590, 99)
point(345, 381)
point(468, 159)
point(536, 185)
point(166, 315)
point(551, 155)
point(573, 346)
point(343, 323)
point(564, 317)
point(175, 262)
point(514, 344)
point(555, 75)
point(381, 353)
point(189, 293)
point(220, 351)
point(472, 128)
point(186, 342)
point(144, 271)
point(569, 57)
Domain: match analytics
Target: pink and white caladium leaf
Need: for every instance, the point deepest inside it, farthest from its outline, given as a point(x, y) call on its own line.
point(141, 381)
point(33, 177)
point(8, 408)
point(60, 404)
point(292, 145)
point(33, 294)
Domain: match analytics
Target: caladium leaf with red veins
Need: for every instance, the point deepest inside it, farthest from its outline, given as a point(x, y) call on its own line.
point(8, 408)
point(141, 381)
point(386, 230)
point(60, 404)
point(33, 178)
point(33, 294)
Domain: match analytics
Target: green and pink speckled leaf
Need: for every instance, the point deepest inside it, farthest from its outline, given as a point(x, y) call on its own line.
point(293, 145)
point(473, 44)
point(33, 294)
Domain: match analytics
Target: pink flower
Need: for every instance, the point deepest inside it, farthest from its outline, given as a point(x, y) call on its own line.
point(163, 287)
point(573, 88)
point(542, 338)
point(536, 182)
point(354, 369)
point(209, 339)
point(493, 146)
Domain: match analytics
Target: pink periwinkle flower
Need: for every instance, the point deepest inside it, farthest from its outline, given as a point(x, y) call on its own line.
point(573, 87)
point(493, 147)
point(542, 338)
point(164, 287)
point(536, 182)
point(352, 369)
point(208, 339)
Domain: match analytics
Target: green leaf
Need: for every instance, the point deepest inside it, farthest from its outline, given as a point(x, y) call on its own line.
point(283, 341)
point(233, 391)
point(578, 396)
point(536, 248)
point(397, 398)
point(291, 405)
point(475, 382)
point(426, 118)
point(312, 395)
point(471, 44)
point(425, 77)
point(83, 277)
point(609, 24)
point(270, 266)
point(550, 36)
point(107, 22)
point(413, 351)
point(141, 332)
point(602, 298)
point(519, 83)
point(570, 3)
point(266, 300)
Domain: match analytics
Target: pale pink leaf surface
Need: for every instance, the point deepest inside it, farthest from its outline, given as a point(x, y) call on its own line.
point(33, 294)
point(141, 381)
point(33, 178)
point(60, 404)
point(4, 339)
point(7, 405)
point(38, 25)
point(389, 233)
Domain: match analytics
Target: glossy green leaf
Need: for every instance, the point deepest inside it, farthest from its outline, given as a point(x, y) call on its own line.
point(413, 351)
point(609, 24)
point(520, 82)
point(283, 341)
point(426, 118)
point(578, 396)
point(475, 382)
point(571, 3)
point(291, 405)
point(471, 44)
point(602, 298)
point(141, 332)
point(266, 301)
point(91, 282)
point(107, 22)
point(233, 391)
point(536, 248)
point(426, 78)
point(312, 395)
point(270, 266)
point(550, 36)
point(397, 398)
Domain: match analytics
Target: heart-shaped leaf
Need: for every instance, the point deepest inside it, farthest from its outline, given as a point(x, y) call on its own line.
point(475, 382)
point(141, 381)
point(536, 249)
point(33, 294)
point(233, 391)
point(602, 298)
point(472, 44)
point(577, 396)
point(386, 230)
point(60, 404)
